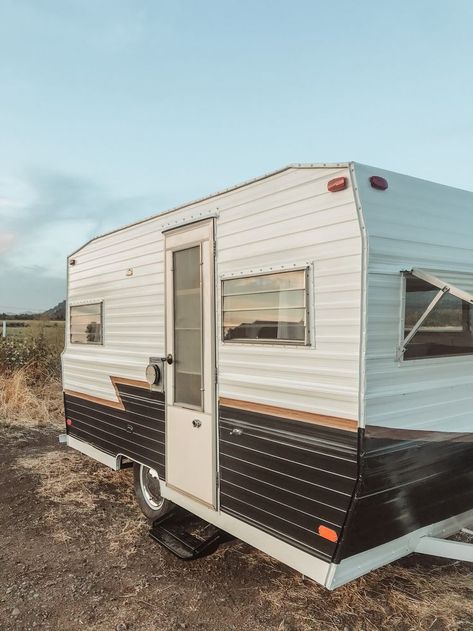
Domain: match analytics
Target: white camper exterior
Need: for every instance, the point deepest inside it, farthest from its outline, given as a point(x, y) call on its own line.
point(287, 438)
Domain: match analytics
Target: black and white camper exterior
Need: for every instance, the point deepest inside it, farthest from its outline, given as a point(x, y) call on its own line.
point(291, 360)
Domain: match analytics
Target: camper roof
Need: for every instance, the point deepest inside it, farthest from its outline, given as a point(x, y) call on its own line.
point(308, 165)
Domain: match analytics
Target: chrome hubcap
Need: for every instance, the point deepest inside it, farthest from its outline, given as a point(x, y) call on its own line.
point(149, 480)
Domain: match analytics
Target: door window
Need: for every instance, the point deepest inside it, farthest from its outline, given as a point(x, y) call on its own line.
point(187, 327)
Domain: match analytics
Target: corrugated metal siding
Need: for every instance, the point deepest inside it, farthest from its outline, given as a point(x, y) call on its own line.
point(137, 431)
point(287, 477)
point(286, 219)
point(414, 223)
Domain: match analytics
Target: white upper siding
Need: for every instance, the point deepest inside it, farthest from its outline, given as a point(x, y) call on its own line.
point(414, 223)
point(286, 219)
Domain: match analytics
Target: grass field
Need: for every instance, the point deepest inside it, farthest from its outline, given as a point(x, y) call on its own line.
point(52, 330)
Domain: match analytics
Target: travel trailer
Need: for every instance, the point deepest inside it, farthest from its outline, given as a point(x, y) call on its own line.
point(289, 360)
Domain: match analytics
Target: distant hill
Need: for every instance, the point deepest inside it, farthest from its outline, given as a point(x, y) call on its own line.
point(56, 313)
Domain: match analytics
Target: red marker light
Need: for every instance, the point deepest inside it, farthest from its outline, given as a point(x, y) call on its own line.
point(68, 422)
point(328, 533)
point(337, 184)
point(378, 182)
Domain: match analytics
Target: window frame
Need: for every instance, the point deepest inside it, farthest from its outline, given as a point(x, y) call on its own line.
point(442, 289)
point(102, 328)
point(306, 343)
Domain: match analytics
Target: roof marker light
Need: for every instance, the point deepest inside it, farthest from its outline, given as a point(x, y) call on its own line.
point(378, 182)
point(337, 184)
point(328, 533)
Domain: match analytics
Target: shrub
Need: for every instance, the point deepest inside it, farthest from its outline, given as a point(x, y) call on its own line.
point(40, 360)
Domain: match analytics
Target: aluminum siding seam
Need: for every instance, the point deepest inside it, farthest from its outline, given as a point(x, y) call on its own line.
point(364, 284)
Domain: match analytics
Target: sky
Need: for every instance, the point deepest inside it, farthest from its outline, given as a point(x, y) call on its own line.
point(114, 110)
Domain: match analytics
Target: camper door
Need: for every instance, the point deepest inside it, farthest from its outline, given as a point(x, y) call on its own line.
point(190, 395)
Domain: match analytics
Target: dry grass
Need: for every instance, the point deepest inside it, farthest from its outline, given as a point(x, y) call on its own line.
point(405, 596)
point(68, 480)
point(24, 404)
point(415, 594)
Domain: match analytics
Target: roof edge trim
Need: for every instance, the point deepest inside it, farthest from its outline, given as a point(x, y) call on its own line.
point(295, 165)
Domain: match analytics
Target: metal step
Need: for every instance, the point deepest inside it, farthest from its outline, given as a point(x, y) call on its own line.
point(187, 536)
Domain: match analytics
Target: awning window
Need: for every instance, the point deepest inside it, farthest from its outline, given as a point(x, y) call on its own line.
point(438, 315)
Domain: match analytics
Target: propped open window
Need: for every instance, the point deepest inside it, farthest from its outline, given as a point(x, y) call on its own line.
point(438, 315)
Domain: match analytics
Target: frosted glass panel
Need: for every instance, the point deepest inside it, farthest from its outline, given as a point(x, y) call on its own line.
point(187, 328)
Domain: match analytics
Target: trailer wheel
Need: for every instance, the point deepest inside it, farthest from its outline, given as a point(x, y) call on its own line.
point(148, 493)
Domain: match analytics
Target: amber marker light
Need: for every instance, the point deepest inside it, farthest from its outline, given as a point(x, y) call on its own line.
point(337, 184)
point(328, 533)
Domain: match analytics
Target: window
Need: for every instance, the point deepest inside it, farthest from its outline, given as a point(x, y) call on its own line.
point(444, 330)
point(86, 324)
point(266, 308)
point(187, 327)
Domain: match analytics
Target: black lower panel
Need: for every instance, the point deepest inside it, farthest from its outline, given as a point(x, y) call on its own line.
point(286, 477)
point(408, 480)
point(136, 432)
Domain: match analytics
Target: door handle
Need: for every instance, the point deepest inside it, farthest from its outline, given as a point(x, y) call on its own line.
point(169, 358)
point(196, 423)
point(236, 432)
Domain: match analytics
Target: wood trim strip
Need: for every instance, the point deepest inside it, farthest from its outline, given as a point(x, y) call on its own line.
point(117, 405)
point(130, 382)
point(293, 415)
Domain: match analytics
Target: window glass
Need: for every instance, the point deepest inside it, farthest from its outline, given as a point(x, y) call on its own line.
point(187, 327)
point(86, 324)
point(447, 330)
point(266, 308)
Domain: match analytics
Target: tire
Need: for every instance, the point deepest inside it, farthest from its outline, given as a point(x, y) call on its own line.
point(147, 492)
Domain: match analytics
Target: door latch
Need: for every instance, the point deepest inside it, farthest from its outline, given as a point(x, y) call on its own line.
point(196, 423)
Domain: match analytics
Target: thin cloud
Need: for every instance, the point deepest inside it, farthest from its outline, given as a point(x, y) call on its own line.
point(61, 213)
point(7, 240)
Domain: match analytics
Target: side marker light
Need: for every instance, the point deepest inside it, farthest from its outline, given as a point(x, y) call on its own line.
point(328, 533)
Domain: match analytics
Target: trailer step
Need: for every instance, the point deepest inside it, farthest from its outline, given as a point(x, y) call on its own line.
point(187, 536)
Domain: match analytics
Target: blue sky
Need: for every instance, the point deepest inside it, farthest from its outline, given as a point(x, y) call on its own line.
point(112, 110)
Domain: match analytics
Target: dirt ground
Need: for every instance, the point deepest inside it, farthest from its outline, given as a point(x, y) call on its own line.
point(75, 554)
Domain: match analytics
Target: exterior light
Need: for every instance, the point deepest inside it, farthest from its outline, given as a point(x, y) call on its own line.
point(378, 182)
point(328, 533)
point(337, 184)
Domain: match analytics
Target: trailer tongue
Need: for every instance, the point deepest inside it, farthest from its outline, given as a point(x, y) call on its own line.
point(446, 548)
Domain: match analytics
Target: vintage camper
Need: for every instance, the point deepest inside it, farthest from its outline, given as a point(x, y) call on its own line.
point(291, 361)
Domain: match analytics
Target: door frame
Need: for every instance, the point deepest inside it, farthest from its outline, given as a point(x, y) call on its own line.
point(195, 233)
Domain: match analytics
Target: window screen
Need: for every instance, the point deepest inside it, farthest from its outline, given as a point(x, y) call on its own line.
point(266, 308)
point(86, 324)
point(447, 330)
